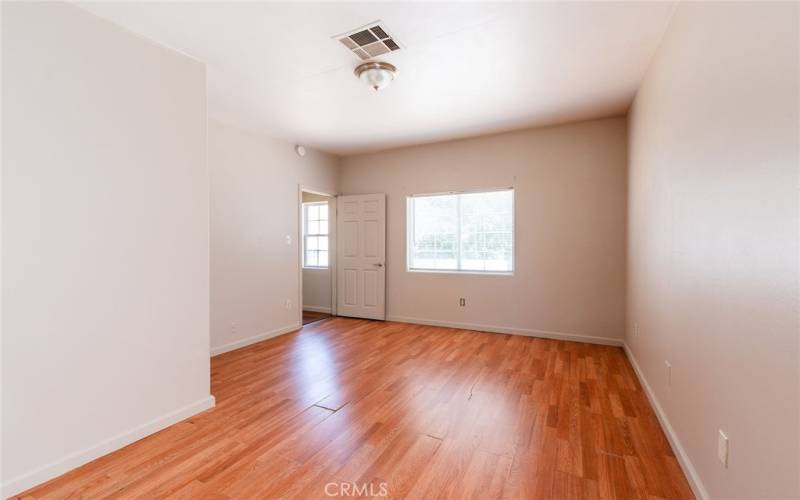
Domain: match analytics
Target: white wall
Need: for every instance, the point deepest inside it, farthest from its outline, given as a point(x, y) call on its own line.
point(317, 289)
point(570, 228)
point(713, 241)
point(254, 207)
point(105, 239)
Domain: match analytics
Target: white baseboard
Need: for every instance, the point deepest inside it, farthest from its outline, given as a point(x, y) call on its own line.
point(683, 459)
point(574, 337)
point(319, 309)
point(252, 340)
point(73, 460)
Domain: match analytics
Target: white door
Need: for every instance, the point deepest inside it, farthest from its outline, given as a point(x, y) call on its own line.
point(361, 256)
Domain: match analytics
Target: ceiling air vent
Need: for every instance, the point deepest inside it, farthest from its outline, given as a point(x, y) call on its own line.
point(369, 41)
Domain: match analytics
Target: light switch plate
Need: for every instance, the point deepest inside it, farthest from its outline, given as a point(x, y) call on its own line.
point(722, 448)
point(668, 365)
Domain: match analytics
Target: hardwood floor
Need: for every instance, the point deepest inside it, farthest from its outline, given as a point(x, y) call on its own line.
point(361, 407)
point(312, 316)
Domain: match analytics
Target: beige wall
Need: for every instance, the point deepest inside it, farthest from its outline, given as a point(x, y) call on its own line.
point(317, 289)
point(254, 207)
point(311, 197)
point(570, 228)
point(105, 240)
point(713, 241)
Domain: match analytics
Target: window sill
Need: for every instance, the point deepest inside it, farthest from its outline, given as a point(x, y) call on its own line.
point(459, 273)
point(317, 268)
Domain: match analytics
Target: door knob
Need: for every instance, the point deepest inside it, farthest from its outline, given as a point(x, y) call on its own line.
point(378, 264)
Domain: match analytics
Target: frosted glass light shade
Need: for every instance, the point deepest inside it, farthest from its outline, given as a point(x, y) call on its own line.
point(376, 74)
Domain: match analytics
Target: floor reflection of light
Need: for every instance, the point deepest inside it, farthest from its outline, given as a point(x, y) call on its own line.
point(315, 366)
point(462, 405)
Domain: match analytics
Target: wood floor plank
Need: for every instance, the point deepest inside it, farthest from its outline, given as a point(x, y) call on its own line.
point(364, 408)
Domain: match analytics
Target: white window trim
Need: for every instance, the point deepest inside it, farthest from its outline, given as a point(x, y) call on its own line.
point(306, 235)
point(410, 233)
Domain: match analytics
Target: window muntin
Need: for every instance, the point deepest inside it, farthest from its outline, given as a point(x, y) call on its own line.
point(461, 232)
point(315, 235)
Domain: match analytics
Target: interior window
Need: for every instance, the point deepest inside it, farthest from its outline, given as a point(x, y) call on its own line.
point(315, 234)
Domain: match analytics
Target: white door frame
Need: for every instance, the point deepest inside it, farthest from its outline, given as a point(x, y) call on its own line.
point(304, 188)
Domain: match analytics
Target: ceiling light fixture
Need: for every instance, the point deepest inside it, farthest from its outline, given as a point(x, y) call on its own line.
point(376, 74)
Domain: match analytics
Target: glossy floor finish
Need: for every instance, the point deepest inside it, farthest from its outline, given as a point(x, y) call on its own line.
point(312, 316)
point(359, 408)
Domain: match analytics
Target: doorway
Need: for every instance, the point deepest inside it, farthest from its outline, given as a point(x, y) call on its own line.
point(317, 255)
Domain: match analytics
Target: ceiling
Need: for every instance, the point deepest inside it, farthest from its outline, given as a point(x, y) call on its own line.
point(465, 68)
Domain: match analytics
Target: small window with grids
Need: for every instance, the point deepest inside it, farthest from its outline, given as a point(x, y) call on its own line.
point(315, 235)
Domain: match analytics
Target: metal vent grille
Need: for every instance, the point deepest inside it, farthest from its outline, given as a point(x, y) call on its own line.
point(369, 41)
point(391, 44)
point(378, 31)
point(363, 38)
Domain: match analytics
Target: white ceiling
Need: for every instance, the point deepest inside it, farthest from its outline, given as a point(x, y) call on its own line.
point(465, 69)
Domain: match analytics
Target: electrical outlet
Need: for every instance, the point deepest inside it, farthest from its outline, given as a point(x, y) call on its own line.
point(636, 329)
point(669, 373)
point(233, 327)
point(288, 239)
point(288, 304)
point(462, 302)
point(722, 448)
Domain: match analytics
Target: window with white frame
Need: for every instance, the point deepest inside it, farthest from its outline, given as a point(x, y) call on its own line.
point(461, 232)
point(315, 234)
